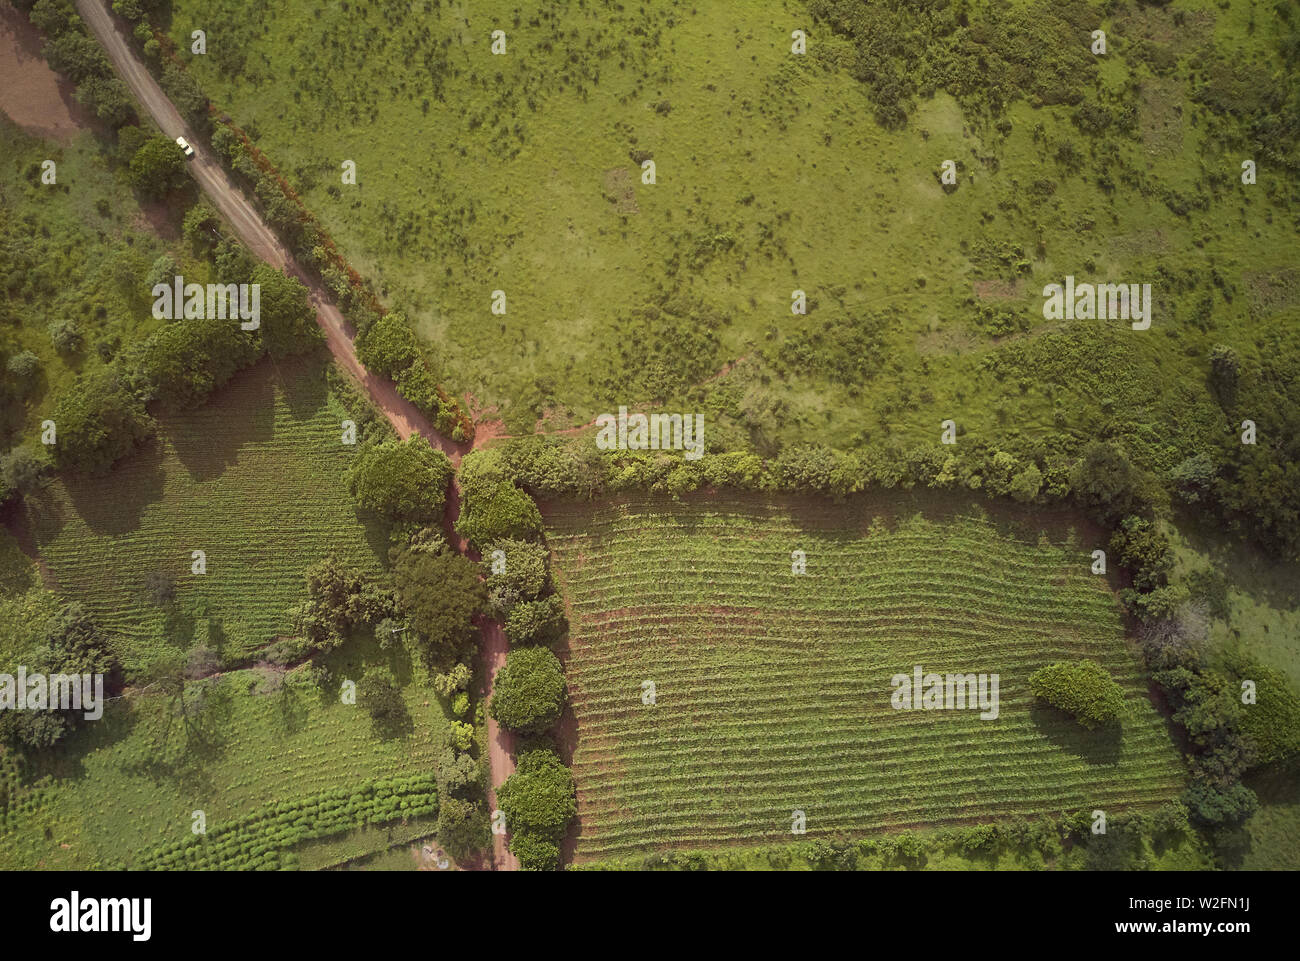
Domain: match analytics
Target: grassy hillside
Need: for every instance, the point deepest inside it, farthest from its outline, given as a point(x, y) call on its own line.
point(522, 173)
point(773, 689)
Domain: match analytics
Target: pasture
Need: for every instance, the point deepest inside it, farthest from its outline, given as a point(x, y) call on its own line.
point(773, 689)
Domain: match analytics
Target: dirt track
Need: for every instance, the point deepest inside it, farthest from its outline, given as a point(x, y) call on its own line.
point(405, 417)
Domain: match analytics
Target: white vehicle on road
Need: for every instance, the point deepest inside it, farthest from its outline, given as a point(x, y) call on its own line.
point(185, 146)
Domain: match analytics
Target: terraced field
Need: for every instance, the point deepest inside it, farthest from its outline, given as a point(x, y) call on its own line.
point(772, 689)
point(255, 479)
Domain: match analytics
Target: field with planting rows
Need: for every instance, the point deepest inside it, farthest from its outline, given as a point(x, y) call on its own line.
point(256, 479)
point(772, 689)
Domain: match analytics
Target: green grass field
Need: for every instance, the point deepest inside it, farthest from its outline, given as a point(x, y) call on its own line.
point(773, 689)
point(520, 172)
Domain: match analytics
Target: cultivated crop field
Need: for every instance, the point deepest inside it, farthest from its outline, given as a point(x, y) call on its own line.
point(772, 689)
point(256, 479)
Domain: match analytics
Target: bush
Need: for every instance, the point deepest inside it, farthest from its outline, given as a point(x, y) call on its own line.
point(528, 693)
point(1083, 690)
point(98, 420)
point(1273, 721)
point(388, 346)
point(157, 167)
point(462, 827)
point(440, 593)
point(525, 575)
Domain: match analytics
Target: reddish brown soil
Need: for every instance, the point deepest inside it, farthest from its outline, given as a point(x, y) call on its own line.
point(33, 95)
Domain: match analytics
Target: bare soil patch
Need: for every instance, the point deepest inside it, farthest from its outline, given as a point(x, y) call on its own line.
point(31, 94)
point(619, 190)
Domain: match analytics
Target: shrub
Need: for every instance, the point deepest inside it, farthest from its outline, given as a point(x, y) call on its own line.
point(1083, 690)
point(535, 853)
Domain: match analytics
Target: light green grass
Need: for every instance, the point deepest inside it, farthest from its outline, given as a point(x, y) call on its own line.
point(773, 689)
point(479, 172)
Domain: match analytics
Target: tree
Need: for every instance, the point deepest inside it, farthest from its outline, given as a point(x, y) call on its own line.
point(98, 420)
point(24, 468)
point(184, 361)
point(1084, 690)
point(1104, 481)
point(537, 622)
point(539, 797)
point(462, 827)
point(440, 593)
point(157, 167)
point(287, 319)
point(1272, 722)
point(24, 367)
point(388, 346)
point(535, 853)
point(528, 693)
point(404, 480)
point(525, 575)
point(458, 773)
point(505, 512)
point(339, 600)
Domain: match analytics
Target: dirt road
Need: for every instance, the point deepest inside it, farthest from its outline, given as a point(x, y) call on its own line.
point(259, 238)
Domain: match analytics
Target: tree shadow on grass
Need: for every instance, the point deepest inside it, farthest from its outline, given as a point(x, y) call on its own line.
point(303, 386)
point(1102, 746)
point(208, 440)
point(114, 503)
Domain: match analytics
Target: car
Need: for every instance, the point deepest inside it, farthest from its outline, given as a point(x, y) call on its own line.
point(185, 146)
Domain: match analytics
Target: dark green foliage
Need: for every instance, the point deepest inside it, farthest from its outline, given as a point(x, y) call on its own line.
point(1144, 549)
point(184, 361)
point(1105, 482)
point(73, 645)
point(288, 319)
point(528, 692)
point(525, 577)
point(1083, 690)
point(539, 797)
point(503, 512)
point(1272, 722)
point(404, 480)
point(24, 468)
point(462, 827)
point(157, 167)
point(458, 773)
point(339, 600)
point(388, 347)
point(535, 853)
point(537, 622)
point(440, 593)
point(99, 420)
point(379, 696)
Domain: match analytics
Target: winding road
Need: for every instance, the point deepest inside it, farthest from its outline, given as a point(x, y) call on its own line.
point(405, 417)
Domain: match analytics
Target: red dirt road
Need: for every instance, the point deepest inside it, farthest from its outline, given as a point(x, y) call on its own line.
point(259, 238)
